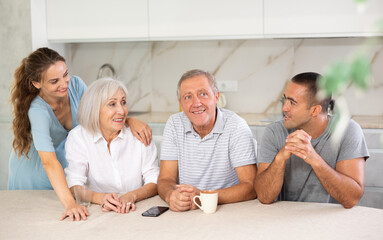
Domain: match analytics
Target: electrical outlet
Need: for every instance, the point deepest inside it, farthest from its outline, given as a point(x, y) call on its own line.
point(227, 86)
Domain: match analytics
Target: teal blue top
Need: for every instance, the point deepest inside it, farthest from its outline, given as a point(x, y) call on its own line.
point(48, 136)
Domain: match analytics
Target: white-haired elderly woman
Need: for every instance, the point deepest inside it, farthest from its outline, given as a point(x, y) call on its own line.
point(103, 153)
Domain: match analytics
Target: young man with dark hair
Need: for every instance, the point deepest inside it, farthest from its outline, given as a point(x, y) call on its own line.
point(299, 161)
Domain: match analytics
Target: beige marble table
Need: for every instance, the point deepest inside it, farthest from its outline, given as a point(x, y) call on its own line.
point(35, 215)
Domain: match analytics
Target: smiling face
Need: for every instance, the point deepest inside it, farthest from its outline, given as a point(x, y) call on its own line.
point(295, 108)
point(199, 103)
point(54, 83)
point(113, 115)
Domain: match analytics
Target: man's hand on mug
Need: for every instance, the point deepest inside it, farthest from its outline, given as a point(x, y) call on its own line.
point(190, 191)
point(179, 201)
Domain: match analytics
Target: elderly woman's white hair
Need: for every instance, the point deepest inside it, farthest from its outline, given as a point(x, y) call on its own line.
point(96, 96)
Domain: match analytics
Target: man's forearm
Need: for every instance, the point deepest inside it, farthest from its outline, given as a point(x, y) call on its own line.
point(236, 193)
point(342, 188)
point(165, 188)
point(268, 184)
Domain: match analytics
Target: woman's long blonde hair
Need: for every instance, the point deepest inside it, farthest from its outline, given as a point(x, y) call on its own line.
point(31, 69)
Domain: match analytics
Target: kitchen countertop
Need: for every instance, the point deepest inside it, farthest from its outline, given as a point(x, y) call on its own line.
point(258, 119)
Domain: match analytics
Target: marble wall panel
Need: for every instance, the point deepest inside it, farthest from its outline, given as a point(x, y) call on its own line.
point(318, 54)
point(261, 68)
point(132, 64)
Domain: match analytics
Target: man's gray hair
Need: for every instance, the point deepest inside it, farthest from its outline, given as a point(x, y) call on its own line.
point(95, 97)
point(194, 73)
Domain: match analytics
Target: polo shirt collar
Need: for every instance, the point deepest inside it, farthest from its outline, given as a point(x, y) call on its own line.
point(219, 123)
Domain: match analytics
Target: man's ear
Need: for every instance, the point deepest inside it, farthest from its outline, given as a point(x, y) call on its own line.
point(37, 85)
point(217, 96)
point(316, 110)
point(179, 104)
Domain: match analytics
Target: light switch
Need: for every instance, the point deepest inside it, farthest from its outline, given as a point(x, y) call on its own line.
point(227, 86)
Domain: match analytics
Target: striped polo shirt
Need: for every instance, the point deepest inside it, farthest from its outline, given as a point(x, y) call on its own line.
point(210, 162)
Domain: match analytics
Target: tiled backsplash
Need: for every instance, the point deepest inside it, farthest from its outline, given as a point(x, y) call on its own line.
point(151, 70)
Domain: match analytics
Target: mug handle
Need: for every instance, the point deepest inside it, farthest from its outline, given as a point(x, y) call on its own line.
point(196, 202)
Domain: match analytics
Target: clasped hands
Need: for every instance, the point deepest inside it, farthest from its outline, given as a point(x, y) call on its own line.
point(123, 204)
point(298, 143)
point(181, 198)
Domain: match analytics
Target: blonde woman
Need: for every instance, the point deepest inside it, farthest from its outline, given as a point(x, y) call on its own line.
point(103, 153)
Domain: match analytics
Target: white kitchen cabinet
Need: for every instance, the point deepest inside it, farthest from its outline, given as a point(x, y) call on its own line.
point(142, 20)
point(96, 20)
point(325, 18)
point(201, 19)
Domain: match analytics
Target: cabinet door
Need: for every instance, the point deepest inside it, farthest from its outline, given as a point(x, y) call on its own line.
point(201, 19)
point(311, 18)
point(97, 20)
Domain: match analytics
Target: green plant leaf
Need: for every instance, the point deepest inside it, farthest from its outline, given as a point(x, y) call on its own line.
point(360, 1)
point(361, 72)
point(335, 78)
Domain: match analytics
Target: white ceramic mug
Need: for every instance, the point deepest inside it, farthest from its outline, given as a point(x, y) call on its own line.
point(209, 201)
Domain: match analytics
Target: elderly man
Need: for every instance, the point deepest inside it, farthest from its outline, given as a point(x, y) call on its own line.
point(205, 148)
point(299, 161)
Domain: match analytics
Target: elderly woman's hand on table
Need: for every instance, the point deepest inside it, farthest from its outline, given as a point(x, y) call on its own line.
point(128, 202)
point(110, 202)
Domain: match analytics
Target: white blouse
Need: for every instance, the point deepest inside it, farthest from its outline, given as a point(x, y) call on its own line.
point(127, 167)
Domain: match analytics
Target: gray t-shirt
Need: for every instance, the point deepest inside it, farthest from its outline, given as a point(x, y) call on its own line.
point(210, 162)
point(300, 181)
